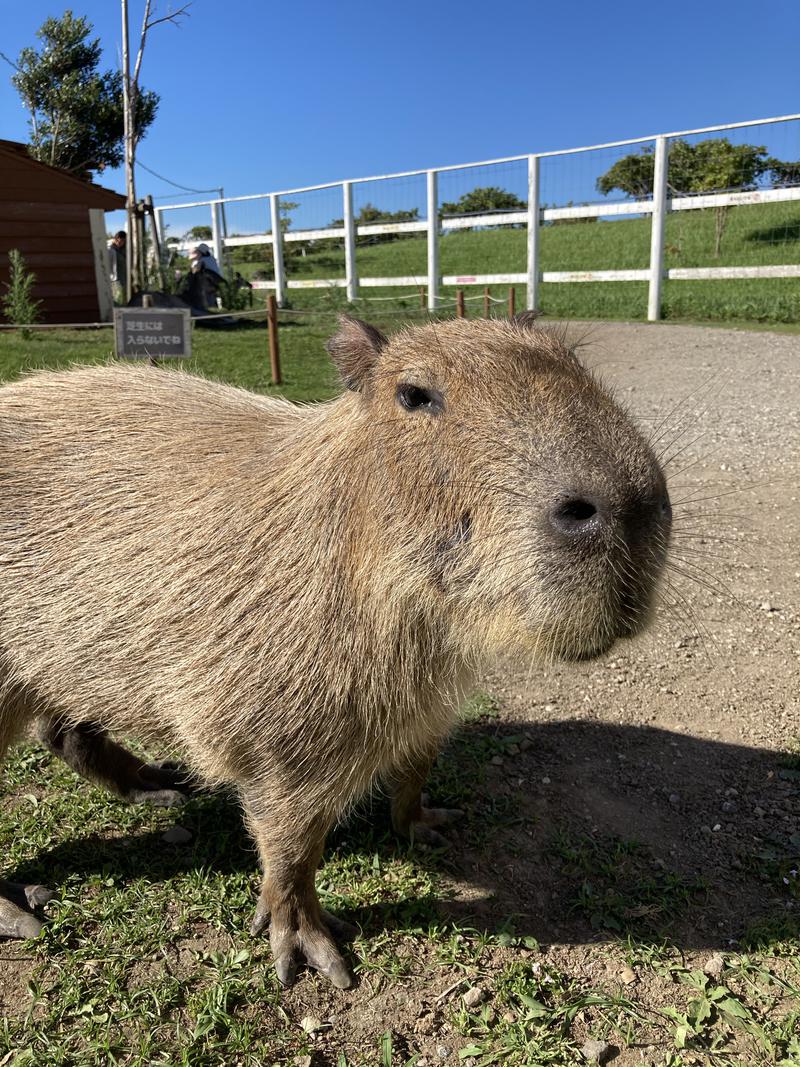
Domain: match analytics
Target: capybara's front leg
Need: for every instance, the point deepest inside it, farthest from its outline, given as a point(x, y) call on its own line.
point(16, 909)
point(89, 751)
point(410, 816)
point(290, 847)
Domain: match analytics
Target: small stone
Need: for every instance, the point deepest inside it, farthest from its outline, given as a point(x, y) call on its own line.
point(303, 1061)
point(766, 606)
point(714, 966)
point(177, 835)
point(759, 813)
point(442, 1051)
point(674, 798)
point(474, 996)
point(596, 1051)
point(310, 1024)
point(509, 1017)
point(545, 780)
point(716, 828)
point(627, 976)
point(497, 761)
point(512, 749)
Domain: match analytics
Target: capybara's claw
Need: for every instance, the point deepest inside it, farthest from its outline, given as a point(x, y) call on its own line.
point(259, 922)
point(312, 945)
point(38, 895)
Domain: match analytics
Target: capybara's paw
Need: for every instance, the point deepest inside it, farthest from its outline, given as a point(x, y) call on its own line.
point(424, 830)
point(37, 895)
point(157, 798)
point(312, 945)
point(16, 922)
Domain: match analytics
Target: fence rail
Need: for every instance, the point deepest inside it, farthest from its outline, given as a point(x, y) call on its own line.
point(662, 202)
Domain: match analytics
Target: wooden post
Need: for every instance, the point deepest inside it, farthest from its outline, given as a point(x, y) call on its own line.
point(460, 313)
point(422, 297)
point(274, 352)
point(512, 302)
point(486, 303)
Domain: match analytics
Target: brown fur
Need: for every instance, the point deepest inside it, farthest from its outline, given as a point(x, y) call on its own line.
point(296, 598)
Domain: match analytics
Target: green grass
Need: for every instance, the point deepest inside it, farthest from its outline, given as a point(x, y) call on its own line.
point(755, 235)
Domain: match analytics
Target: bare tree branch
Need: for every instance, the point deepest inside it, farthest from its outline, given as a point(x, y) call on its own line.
point(171, 16)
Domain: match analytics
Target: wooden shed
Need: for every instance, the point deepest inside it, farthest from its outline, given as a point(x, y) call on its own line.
point(57, 222)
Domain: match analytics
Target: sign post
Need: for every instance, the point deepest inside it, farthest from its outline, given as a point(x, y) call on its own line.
point(153, 333)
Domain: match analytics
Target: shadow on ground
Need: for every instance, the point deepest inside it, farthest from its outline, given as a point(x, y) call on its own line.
point(573, 831)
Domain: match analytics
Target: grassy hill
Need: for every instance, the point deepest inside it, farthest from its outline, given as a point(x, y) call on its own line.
point(754, 235)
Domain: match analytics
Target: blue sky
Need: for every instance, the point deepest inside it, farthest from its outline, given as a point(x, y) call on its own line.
point(259, 96)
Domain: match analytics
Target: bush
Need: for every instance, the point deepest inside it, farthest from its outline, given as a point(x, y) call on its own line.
point(19, 306)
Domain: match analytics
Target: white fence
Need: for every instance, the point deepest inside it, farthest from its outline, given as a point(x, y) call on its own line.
point(533, 217)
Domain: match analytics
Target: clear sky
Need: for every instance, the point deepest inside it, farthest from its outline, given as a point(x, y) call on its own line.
point(259, 96)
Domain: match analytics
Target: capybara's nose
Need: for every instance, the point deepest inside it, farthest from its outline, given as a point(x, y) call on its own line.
point(578, 517)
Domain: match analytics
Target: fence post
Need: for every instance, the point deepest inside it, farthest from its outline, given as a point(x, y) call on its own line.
point(460, 313)
point(216, 233)
point(657, 230)
point(433, 242)
point(487, 303)
point(274, 351)
point(512, 302)
point(533, 233)
point(277, 249)
point(349, 243)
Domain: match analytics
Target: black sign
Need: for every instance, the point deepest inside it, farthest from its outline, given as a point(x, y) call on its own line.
point(152, 333)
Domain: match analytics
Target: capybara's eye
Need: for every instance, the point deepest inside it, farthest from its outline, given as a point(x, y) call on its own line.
point(415, 398)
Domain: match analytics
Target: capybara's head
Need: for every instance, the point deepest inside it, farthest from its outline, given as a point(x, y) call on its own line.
point(504, 486)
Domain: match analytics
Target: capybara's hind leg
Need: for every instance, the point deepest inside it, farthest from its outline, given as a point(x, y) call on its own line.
point(88, 749)
point(290, 848)
point(17, 901)
point(410, 816)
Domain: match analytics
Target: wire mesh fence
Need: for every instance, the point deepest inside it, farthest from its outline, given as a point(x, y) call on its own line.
point(704, 223)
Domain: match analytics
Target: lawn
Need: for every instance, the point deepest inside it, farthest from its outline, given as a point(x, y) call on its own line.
point(754, 235)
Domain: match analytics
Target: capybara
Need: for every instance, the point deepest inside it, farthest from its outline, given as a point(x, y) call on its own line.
point(296, 598)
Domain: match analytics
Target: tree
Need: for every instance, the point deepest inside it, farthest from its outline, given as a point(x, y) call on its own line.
point(707, 166)
point(199, 233)
point(483, 199)
point(132, 95)
point(76, 112)
point(369, 215)
point(784, 174)
point(19, 305)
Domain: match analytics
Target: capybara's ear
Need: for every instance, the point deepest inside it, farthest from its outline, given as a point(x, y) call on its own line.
point(526, 320)
point(354, 350)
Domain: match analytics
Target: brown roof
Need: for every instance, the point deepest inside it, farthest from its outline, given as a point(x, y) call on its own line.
point(24, 178)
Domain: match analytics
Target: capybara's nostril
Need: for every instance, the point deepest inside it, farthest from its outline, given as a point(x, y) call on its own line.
point(576, 517)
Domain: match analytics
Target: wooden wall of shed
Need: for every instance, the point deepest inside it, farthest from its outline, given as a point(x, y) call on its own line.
point(56, 243)
point(47, 218)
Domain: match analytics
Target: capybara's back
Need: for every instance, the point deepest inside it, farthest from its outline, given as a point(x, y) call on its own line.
point(297, 598)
